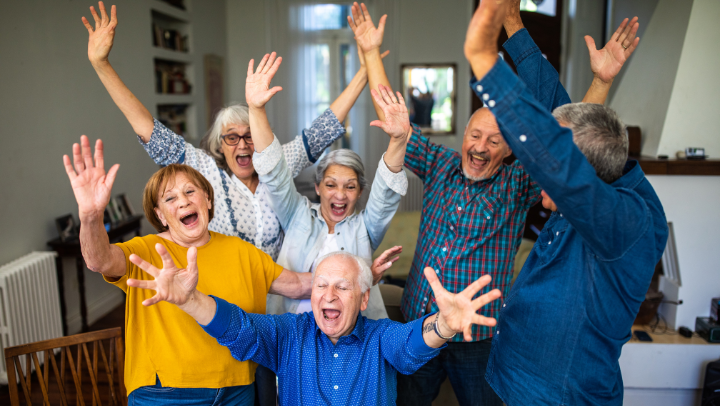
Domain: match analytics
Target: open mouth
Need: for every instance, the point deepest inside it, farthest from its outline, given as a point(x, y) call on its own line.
point(331, 314)
point(338, 209)
point(189, 219)
point(478, 161)
point(244, 160)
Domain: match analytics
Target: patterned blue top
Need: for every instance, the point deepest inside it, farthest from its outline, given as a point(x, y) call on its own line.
point(359, 370)
point(239, 212)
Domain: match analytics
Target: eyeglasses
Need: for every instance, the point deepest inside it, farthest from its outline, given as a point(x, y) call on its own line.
point(234, 139)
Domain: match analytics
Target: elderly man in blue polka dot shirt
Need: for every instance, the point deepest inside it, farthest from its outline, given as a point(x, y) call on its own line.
point(332, 355)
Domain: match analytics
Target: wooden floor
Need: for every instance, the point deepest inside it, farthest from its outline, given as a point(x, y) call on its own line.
point(116, 318)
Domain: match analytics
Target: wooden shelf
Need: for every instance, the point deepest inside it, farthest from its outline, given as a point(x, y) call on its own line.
point(170, 11)
point(703, 167)
point(172, 56)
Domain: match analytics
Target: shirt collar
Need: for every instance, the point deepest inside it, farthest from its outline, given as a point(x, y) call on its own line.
point(632, 176)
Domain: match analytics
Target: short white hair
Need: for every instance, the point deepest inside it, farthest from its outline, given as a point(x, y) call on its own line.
point(212, 142)
point(365, 277)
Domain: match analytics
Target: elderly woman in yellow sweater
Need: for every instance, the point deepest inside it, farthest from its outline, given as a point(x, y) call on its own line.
point(168, 355)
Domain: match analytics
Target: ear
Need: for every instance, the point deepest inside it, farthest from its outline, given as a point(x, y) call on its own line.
point(508, 153)
point(317, 190)
point(159, 215)
point(208, 201)
point(365, 299)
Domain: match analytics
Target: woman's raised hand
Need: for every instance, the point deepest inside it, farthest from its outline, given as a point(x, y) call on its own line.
point(91, 185)
point(367, 35)
point(397, 120)
point(257, 84)
point(606, 63)
point(101, 38)
point(172, 284)
point(384, 262)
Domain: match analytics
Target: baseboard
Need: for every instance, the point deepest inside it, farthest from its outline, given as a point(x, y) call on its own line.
point(96, 310)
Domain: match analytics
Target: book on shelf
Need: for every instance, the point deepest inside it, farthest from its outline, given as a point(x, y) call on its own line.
point(173, 40)
point(170, 78)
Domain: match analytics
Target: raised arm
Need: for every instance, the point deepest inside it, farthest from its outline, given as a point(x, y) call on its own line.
point(257, 94)
point(92, 188)
point(608, 219)
point(100, 43)
point(252, 336)
point(369, 39)
point(607, 62)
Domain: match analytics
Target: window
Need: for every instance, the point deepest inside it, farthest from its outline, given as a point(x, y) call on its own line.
point(546, 7)
point(429, 92)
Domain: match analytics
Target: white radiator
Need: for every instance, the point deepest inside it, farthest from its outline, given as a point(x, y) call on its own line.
point(29, 303)
point(413, 199)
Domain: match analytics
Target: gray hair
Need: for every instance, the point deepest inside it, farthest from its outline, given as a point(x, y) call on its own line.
point(365, 277)
point(600, 135)
point(211, 142)
point(344, 157)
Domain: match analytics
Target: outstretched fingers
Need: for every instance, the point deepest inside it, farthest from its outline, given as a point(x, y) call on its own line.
point(137, 283)
point(365, 13)
point(261, 64)
point(434, 282)
point(251, 66)
point(144, 265)
point(103, 13)
point(69, 168)
point(77, 159)
point(87, 25)
point(113, 15)
point(486, 298)
point(275, 66)
point(167, 260)
point(96, 17)
point(619, 31)
point(269, 63)
point(483, 321)
point(86, 152)
point(475, 287)
point(378, 98)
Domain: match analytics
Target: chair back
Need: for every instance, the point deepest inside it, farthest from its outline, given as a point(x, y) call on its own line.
point(98, 341)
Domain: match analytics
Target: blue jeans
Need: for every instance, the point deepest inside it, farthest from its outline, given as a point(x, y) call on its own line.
point(243, 395)
point(464, 364)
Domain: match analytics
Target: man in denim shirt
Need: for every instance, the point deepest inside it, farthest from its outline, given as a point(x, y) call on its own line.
point(561, 329)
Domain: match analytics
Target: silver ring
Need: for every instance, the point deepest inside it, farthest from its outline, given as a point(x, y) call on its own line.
point(623, 46)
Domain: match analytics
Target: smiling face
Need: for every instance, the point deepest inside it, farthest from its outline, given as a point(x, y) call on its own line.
point(337, 296)
point(183, 207)
point(339, 192)
point(483, 148)
point(238, 157)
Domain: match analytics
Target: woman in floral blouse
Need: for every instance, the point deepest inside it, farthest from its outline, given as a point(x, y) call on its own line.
point(225, 155)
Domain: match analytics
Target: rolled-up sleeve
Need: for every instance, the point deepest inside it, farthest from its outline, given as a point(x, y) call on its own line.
point(265, 161)
point(164, 147)
point(323, 132)
point(398, 182)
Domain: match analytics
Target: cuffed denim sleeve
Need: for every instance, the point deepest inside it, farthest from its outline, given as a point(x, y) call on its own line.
point(609, 219)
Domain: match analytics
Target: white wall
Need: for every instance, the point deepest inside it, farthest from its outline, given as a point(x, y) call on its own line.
point(642, 95)
point(581, 18)
point(50, 95)
point(691, 204)
point(693, 119)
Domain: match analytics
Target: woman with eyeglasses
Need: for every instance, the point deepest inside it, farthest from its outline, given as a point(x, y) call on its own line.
point(225, 153)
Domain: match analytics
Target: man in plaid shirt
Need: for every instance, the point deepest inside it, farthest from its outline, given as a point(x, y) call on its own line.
point(473, 215)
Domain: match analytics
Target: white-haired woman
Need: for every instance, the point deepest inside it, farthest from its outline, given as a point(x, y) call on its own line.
point(225, 156)
point(313, 230)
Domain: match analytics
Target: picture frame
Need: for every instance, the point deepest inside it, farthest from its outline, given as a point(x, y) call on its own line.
point(430, 92)
point(68, 229)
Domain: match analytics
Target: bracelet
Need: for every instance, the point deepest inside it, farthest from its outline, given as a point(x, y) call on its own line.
point(395, 166)
point(437, 330)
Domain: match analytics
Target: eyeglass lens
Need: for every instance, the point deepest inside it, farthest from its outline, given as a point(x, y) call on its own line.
point(234, 139)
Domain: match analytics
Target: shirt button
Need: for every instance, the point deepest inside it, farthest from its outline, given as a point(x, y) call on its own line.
point(338, 233)
point(557, 233)
point(459, 208)
point(491, 103)
point(486, 97)
point(560, 215)
point(451, 228)
point(479, 88)
point(342, 248)
point(523, 138)
point(336, 355)
point(437, 271)
point(549, 242)
point(497, 332)
point(335, 387)
point(503, 306)
point(444, 249)
point(488, 217)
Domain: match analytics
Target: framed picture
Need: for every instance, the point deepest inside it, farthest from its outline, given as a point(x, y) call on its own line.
point(67, 227)
point(430, 94)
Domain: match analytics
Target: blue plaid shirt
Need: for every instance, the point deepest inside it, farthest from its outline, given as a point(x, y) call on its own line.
point(358, 370)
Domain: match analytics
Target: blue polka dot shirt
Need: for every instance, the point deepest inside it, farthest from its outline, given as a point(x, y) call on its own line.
point(359, 370)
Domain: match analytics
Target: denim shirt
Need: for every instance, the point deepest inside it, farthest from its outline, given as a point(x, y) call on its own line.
point(306, 230)
point(562, 327)
point(360, 369)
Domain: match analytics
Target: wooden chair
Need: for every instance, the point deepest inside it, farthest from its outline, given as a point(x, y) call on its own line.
point(114, 364)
